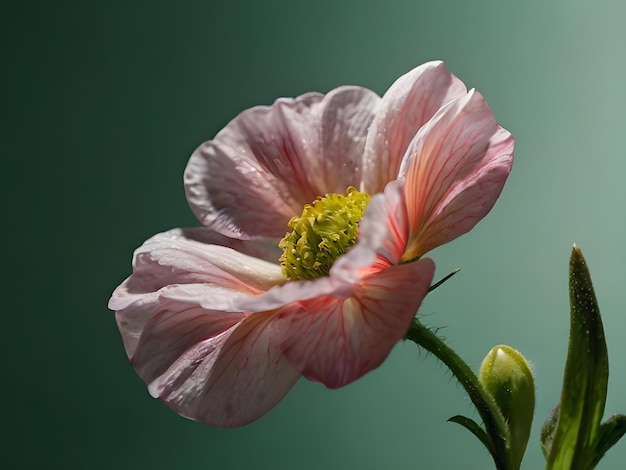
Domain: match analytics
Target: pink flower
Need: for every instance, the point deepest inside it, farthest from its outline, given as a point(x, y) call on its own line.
point(220, 331)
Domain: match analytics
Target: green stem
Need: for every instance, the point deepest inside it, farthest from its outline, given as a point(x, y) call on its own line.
point(495, 425)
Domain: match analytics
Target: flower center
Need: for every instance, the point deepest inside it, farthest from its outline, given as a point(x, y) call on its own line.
point(325, 231)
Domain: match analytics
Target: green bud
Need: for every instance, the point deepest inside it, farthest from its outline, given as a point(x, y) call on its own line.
point(507, 377)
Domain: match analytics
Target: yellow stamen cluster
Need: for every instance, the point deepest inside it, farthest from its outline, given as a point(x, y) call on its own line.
point(325, 230)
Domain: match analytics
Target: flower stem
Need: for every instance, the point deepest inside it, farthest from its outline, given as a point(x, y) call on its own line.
point(495, 425)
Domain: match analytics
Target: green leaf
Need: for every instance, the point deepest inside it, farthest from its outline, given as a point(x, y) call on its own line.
point(548, 429)
point(438, 283)
point(611, 431)
point(476, 430)
point(585, 379)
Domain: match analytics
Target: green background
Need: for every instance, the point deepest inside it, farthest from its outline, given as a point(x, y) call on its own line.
point(103, 102)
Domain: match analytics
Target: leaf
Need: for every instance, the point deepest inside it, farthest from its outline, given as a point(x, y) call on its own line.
point(585, 379)
point(548, 429)
point(438, 283)
point(476, 430)
point(611, 431)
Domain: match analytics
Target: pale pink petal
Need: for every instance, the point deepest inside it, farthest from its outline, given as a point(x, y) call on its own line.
point(174, 328)
point(408, 104)
point(183, 263)
point(294, 292)
point(265, 249)
point(455, 169)
point(336, 340)
point(133, 313)
point(218, 367)
point(348, 113)
point(383, 236)
point(227, 379)
point(270, 161)
point(187, 256)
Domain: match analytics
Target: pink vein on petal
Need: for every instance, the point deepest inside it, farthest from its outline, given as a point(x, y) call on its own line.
point(336, 340)
point(455, 169)
point(230, 379)
point(408, 104)
point(269, 161)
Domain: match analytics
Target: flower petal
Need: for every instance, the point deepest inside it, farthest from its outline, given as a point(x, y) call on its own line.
point(455, 169)
point(408, 104)
point(174, 327)
point(186, 256)
point(269, 161)
point(383, 236)
point(336, 340)
point(348, 113)
point(184, 260)
point(215, 367)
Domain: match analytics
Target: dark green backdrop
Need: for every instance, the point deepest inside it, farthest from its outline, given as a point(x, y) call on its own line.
point(103, 102)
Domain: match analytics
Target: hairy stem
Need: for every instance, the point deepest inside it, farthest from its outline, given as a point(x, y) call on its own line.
point(493, 421)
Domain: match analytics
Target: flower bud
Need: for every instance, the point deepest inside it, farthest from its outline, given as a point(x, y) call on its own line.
point(507, 377)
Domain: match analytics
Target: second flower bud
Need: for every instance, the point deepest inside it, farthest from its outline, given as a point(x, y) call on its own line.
point(506, 376)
